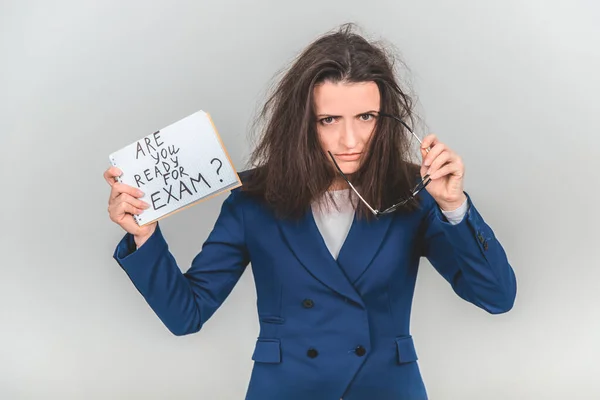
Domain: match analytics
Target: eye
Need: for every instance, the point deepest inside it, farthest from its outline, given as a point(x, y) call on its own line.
point(327, 120)
point(366, 117)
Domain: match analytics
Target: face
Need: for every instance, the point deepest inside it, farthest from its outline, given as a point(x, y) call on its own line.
point(345, 114)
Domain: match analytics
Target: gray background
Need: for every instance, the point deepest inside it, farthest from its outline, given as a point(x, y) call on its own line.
point(512, 86)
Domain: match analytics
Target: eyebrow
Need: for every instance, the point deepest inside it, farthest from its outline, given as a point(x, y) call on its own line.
point(338, 116)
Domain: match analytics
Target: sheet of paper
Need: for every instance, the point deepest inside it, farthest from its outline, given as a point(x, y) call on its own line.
point(176, 166)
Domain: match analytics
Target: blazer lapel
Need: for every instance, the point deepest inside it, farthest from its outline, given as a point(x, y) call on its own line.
point(361, 245)
point(307, 244)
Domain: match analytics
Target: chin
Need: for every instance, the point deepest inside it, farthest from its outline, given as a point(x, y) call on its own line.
point(349, 168)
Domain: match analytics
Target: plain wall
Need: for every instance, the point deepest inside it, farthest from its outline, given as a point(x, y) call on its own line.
point(511, 86)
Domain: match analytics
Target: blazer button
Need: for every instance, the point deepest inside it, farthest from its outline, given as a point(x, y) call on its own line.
point(308, 303)
point(312, 353)
point(360, 351)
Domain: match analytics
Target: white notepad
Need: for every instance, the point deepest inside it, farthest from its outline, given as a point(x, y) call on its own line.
point(177, 166)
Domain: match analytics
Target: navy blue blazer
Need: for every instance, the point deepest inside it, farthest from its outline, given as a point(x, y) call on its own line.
point(328, 328)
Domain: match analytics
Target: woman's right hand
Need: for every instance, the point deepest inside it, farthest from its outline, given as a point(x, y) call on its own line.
point(123, 203)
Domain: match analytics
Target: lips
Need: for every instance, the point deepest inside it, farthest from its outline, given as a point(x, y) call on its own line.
point(348, 156)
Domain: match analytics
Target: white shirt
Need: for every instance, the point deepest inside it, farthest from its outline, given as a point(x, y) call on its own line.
point(335, 224)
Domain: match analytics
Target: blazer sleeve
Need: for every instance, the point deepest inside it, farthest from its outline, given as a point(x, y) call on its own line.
point(469, 256)
point(185, 301)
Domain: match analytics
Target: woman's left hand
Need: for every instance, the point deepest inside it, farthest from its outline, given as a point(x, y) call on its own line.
point(446, 171)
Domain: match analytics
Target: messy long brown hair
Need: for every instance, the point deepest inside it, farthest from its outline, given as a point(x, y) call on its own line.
point(289, 167)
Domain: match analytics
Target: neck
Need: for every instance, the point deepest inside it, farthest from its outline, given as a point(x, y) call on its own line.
point(338, 184)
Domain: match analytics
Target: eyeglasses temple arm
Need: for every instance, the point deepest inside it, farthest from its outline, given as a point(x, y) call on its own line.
point(406, 126)
point(351, 185)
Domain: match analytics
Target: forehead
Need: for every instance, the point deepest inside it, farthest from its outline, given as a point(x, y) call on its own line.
point(346, 98)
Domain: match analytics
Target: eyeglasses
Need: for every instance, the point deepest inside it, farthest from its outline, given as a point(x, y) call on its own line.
point(420, 186)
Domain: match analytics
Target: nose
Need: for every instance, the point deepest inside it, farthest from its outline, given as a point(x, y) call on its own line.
point(348, 136)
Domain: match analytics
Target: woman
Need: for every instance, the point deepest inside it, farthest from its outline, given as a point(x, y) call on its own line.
point(334, 275)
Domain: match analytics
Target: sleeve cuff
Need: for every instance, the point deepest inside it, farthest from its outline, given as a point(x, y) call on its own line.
point(471, 229)
point(129, 257)
point(455, 216)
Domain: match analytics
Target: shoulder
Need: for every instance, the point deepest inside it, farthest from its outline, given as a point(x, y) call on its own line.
point(240, 195)
point(246, 174)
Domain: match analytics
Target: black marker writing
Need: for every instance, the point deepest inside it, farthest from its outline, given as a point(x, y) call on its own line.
point(176, 194)
point(148, 142)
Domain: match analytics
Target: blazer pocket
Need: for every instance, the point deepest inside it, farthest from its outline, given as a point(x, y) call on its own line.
point(271, 319)
point(406, 349)
point(267, 351)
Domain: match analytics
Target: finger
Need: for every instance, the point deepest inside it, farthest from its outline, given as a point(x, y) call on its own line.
point(435, 151)
point(110, 174)
point(428, 142)
point(451, 168)
point(117, 212)
point(118, 188)
point(125, 197)
point(440, 160)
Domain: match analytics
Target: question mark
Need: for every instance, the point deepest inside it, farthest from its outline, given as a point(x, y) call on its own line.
point(219, 168)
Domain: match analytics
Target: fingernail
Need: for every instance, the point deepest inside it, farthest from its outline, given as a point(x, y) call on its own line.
point(140, 193)
point(429, 171)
